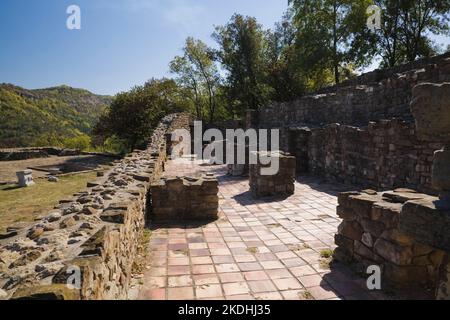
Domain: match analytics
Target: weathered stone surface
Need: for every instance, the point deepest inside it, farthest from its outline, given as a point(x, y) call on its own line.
point(443, 290)
point(68, 222)
point(351, 230)
point(90, 211)
point(372, 233)
point(35, 233)
point(81, 233)
point(51, 292)
point(431, 107)
point(185, 199)
point(394, 253)
point(279, 183)
point(7, 235)
point(428, 224)
point(441, 169)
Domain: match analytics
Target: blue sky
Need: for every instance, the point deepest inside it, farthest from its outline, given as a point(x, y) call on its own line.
point(122, 43)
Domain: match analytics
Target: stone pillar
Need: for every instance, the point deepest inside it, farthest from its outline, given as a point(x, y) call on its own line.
point(282, 183)
point(25, 178)
point(431, 110)
point(185, 199)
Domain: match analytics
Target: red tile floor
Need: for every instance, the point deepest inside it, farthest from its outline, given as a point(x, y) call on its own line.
point(258, 249)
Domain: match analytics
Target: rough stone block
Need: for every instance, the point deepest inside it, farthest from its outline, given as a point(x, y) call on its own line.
point(280, 183)
point(185, 198)
point(426, 223)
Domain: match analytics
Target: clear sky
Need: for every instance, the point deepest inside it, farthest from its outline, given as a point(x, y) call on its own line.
point(121, 42)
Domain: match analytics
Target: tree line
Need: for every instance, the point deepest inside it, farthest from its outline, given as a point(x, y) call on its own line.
point(317, 43)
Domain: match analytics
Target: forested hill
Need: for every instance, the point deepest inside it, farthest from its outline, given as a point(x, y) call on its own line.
point(47, 116)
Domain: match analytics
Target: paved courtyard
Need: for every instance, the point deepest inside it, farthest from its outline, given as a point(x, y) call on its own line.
point(258, 249)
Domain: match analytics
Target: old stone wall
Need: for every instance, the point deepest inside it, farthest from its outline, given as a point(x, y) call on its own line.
point(370, 235)
point(185, 199)
point(269, 184)
point(92, 236)
point(384, 155)
point(361, 132)
point(369, 98)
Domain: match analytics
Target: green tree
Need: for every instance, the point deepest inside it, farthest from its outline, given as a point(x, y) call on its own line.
point(133, 115)
point(197, 71)
point(242, 54)
point(332, 35)
point(407, 27)
point(285, 75)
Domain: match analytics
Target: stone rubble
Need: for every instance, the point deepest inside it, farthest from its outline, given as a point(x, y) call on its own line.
point(97, 231)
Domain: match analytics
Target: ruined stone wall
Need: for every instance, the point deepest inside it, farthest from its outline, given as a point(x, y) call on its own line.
point(369, 98)
point(185, 199)
point(372, 233)
point(96, 232)
point(362, 132)
point(384, 155)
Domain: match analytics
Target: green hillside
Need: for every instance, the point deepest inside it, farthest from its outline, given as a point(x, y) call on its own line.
point(45, 117)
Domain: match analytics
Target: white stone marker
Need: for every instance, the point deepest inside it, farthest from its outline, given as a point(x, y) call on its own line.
point(25, 178)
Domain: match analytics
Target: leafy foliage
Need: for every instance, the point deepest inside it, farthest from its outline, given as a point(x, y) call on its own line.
point(60, 116)
point(133, 115)
point(198, 74)
point(243, 55)
point(407, 26)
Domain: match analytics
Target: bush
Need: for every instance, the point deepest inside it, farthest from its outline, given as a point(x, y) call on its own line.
point(82, 143)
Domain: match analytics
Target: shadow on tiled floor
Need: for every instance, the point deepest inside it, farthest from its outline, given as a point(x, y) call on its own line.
point(258, 249)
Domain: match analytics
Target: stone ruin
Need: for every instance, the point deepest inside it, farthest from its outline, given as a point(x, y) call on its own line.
point(385, 132)
point(405, 232)
point(185, 199)
point(269, 184)
point(25, 178)
point(95, 233)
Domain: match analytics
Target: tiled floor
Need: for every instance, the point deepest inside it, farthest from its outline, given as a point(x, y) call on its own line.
point(258, 249)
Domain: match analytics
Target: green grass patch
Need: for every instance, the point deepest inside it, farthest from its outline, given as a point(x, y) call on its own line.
point(25, 204)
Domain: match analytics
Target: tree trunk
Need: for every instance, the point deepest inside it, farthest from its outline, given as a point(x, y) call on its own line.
point(335, 44)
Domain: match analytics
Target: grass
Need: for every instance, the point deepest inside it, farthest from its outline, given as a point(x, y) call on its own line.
point(25, 204)
point(326, 254)
point(142, 253)
point(326, 259)
point(307, 295)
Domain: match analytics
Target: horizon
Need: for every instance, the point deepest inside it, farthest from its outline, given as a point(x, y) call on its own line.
point(41, 53)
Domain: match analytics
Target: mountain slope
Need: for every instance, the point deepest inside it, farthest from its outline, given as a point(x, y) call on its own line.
point(47, 116)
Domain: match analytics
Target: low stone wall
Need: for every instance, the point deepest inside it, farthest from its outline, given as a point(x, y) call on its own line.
point(384, 155)
point(372, 234)
point(279, 184)
point(92, 237)
point(185, 199)
point(16, 154)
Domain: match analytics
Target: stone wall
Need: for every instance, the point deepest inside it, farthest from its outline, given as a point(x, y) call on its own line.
point(95, 233)
point(384, 155)
point(16, 154)
point(361, 132)
point(385, 96)
point(185, 199)
point(268, 184)
point(370, 235)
